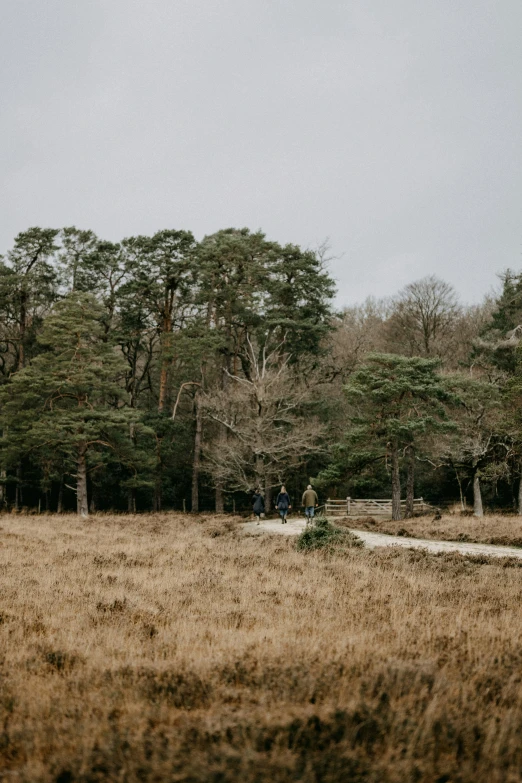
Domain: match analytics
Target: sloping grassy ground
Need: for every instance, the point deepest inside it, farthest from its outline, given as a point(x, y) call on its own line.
point(491, 529)
point(165, 648)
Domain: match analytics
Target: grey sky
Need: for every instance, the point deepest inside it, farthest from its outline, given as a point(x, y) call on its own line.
point(392, 127)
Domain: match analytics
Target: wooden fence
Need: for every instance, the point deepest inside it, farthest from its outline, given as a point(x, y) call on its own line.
point(371, 507)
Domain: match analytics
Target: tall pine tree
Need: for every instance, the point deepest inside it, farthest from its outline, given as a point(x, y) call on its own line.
point(70, 397)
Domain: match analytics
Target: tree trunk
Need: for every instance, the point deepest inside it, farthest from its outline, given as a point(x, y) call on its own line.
point(93, 505)
point(3, 476)
point(410, 482)
point(131, 492)
point(131, 500)
point(156, 503)
point(23, 327)
point(396, 482)
point(461, 493)
point(478, 510)
point(268, 495)
point(260, 473)
point(220, 498)
point(82, 506)
point(19, 499)
point(3, 483)
point(520, 493)
point(165, 361)
point(164, 377)
point(59, 505)
point(196, 461)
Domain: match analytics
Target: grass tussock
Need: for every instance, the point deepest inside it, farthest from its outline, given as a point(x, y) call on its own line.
point(491, 529)
point(153, 649)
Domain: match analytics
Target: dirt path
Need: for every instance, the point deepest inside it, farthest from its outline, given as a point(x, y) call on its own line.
point(373, 540)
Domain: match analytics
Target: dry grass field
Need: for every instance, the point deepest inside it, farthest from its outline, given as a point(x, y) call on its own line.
point(170, 648)
point(491, 529)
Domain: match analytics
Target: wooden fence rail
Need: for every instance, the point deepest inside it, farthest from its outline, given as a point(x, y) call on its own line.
point(371, 506)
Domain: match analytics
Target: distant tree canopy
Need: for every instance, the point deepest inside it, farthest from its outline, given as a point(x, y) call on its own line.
point(113, 357)
point(162, 372)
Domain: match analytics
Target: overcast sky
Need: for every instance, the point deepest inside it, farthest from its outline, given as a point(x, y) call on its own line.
point(393, 127)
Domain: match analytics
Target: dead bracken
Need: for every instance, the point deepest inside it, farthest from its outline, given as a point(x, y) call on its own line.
point(233, 658)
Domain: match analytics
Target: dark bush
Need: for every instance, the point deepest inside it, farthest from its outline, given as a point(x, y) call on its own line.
point(323, 535)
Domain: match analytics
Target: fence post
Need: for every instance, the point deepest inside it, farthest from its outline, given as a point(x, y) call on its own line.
point(348, 501)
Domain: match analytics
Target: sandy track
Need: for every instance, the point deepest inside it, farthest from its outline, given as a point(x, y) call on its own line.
point(373, 540)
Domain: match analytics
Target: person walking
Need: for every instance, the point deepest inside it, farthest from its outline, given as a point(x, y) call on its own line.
point(283, 504)
point(258, 504)
point(310, 502)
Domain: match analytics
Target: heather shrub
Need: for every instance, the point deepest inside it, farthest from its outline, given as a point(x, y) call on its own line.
point(321, 534)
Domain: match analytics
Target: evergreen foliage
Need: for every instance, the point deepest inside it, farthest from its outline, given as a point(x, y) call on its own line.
point(325, 536)
point(68, 400)
point(162, 372)
point(396, 401)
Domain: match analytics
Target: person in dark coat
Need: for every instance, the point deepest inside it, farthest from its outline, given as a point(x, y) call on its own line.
point(258, 504)
point(283, 504)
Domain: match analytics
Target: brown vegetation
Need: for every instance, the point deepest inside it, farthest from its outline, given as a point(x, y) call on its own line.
point(173, 648)
point(492, 529)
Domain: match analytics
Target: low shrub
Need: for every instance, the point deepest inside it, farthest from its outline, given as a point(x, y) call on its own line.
point(323, 535)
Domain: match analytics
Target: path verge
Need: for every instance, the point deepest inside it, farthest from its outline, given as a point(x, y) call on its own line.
point(373, 540)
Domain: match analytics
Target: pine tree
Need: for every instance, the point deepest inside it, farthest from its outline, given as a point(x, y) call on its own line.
point(76, 259)
point(396, 400)
point(160, 271)
point(69, 397)
point(298, 306)
point(500, 338)
point(33, 283)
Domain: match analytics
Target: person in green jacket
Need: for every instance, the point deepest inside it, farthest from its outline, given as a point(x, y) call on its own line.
point(310, 502)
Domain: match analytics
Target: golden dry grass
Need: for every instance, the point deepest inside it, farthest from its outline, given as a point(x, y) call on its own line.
point(491, 529)
point(165, 648)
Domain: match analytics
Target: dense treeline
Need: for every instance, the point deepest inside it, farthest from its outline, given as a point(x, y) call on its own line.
point(161, 372)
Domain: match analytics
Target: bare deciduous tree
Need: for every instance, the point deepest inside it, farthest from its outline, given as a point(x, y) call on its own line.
point(424, 318)
point(265, 416)
point(359, 330)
